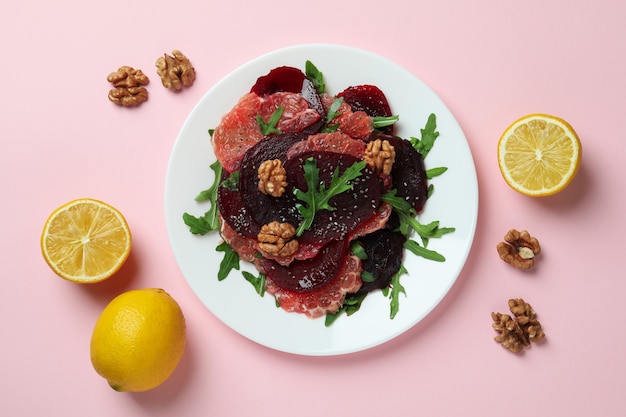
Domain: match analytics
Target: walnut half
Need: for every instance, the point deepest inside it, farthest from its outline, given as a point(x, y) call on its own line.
point(175, 71)
point(517, 332)
point(128, 86)
point(380, 156)
point(272, 177)
point(519, 249)
point(278, 239)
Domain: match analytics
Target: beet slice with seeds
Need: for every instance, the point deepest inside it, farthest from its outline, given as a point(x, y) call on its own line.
point(370, 99)
point(384, 249)
point(262, 207)
point(350, 208)
point(408, 173)
point(310, 274)
point(235, 213)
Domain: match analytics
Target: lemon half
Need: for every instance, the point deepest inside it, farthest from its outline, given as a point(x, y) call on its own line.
point(539, 155)
point(85, 241)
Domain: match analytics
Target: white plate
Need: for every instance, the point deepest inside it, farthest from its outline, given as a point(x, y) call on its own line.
point(233, 300)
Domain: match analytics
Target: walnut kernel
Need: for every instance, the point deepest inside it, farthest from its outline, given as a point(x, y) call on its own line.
point(277, 239)
point(517, 332)
point(380, 155)
point(519, 249)
point(510, 334)
point(128, 90)
point(272, 177)
point(175, 71)
point(527, 319)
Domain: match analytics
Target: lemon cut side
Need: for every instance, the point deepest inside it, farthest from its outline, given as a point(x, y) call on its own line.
point(539, 155)
point(85, 241)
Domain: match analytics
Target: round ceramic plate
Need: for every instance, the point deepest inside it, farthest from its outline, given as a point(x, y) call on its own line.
point(233, 300)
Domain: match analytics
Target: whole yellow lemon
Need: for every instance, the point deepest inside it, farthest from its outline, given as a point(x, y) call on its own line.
point(138, 340)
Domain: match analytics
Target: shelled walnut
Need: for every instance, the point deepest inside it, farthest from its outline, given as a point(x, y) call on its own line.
point(380, 155)
point(519, 249)
point(527, 319)
point(517, 332)
point(175, 71)
point(128, 86)
point(278, 239)
point(510, 334)
point(272, 177)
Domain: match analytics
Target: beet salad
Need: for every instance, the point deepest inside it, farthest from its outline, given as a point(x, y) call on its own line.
point(318, 192)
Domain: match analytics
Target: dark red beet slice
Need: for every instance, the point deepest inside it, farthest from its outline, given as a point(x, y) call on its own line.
point(235, 213)
point(408, 173)
point(326, 299)
point(264, 208)
point(291, 80)
point(384, 249)
point(312, 97)
point(287, 79)
point(351, 208)
point(308, 275)
point(370, 99)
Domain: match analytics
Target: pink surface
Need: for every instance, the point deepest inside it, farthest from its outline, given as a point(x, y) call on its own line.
point(491, 62)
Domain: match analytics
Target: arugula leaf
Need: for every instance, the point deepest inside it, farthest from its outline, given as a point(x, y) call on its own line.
point(408, 221)
point(316, 199)
point(395, 289)
point(430, 191)
point(210, 220)
point(315, 76)
point(211, 193)
point(357, 250)
point(198, 225)
point(257, 282)
point(435, 172)
point(429, 134)
point(229, 262)
point(419, 250)
point(333, 112)
point(270, 127)
point(383, 121)
point(367, 276)
point(351, 305)
point(232, 182)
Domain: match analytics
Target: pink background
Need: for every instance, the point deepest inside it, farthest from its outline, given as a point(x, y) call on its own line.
point(490, 61)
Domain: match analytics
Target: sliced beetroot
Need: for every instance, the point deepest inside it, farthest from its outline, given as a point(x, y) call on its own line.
point(408, 173)
point(310, 94)
point(384, 249)
point(367, 98)
point(234, 212)
point(264, 208)
point(351, 208)
point(326, 299)
point(291, 80)
point(285, 78)
point(308, 275)
point(370, 99)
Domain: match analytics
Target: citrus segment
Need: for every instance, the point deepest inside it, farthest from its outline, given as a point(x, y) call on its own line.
point(539, 154)
point(85, 241)
point(138, 340)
